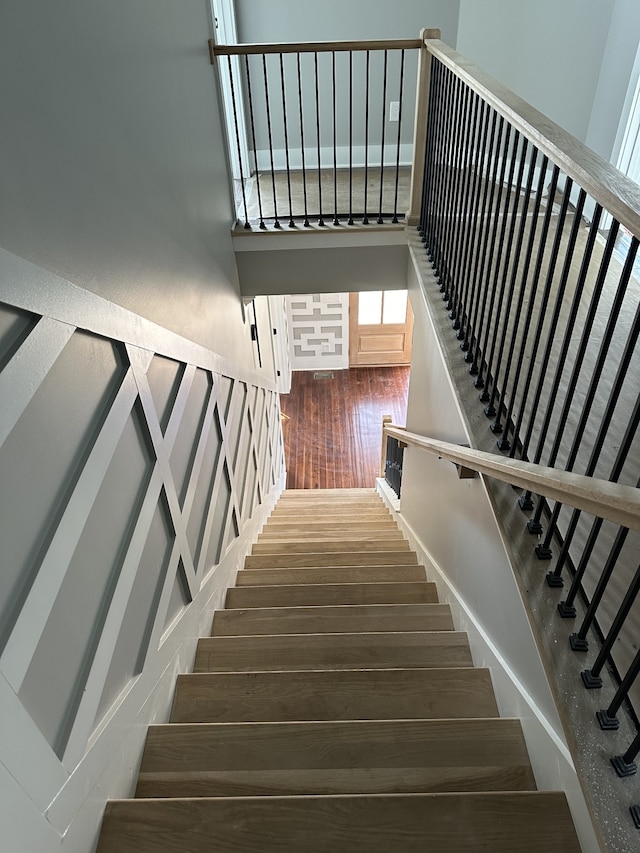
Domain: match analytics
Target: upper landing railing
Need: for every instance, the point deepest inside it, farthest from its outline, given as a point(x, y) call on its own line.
point(323, 132)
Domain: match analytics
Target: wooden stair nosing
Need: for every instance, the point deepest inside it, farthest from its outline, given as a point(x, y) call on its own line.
point(425, 649)
point(500, 822)
point(308, 595)
point(336, 619)
point(363, 694)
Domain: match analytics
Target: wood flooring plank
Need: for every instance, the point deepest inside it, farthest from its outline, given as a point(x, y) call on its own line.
point(529, 822)
point(427, 649)
point(333, 695)
point(308, 595)
point(315, 620)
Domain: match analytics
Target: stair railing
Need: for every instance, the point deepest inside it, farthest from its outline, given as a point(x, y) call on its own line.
point(336, 116)
point(603, 500)
point(533, 240)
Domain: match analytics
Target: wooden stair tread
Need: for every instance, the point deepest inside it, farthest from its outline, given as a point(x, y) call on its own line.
point(372, 756)
point(333, 651)
point(296, 595)
point(338, 619)
point(379, 532)
point(365, 694)
point(529, 822)
point(330, 574)
point(341, 558)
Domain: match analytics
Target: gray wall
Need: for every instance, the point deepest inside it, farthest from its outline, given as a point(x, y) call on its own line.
point(550, 53)
point(140, 442)
point(285, 20)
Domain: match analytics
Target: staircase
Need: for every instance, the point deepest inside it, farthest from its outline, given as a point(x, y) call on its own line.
point(335, 708)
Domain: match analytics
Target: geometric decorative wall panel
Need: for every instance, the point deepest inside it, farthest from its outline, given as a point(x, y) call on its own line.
point(319, 330)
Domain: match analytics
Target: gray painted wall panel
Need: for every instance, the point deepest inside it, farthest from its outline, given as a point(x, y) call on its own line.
point(55, 679)
point(183, 453)
point(204, 491)
point(164, 377)
point(41, 459)
point(14, 328)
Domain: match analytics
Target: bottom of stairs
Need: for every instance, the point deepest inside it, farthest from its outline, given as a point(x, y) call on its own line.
point(334, 708)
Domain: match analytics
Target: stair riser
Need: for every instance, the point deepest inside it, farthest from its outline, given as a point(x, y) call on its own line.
point(333, 620)
point(349, 558)
point(340, 546)
point(332, 594)
point(334, 695)
point(328, 574)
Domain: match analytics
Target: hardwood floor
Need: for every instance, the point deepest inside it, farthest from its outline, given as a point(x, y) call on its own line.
point(332, 426)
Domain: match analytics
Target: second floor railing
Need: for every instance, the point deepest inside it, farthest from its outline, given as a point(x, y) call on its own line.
point(322, 132)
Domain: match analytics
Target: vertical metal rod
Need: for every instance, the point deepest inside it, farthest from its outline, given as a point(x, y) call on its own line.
point(428, 200)
point(276, 223)
point(253, 138)
point(384, 121)
point(475, 166)
point(619, 620)
point(336, 221)
point(315, 66)
point(496, 426)
point(504, 257)
point(437, 199)
point(616, 471)
point(480, 218)
point(464, 225)
point(400, 95)
point(542, 312)
point(365, 218)
point(350, 220)
point(442, 189)
point(492, 215)
point(496, 395)
point(455, 166)
point(555, 318)
point(614, 394)
point(623, 691)
point(493, 270)
point(457, 221)
point(238, 146)
point(306, 222)
point(286, 141)
point(577, 363)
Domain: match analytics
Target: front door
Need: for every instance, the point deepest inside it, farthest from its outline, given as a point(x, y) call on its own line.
point(380, 328)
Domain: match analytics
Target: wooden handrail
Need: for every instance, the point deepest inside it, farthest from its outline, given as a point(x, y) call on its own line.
point(601, 498)
point(313, 46)
point(617, 193)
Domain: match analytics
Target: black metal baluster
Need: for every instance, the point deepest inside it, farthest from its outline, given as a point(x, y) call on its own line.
point(315, 66)
point(542, 312)
point(566, 607)
point(496, 426)
point(458, 221)
point(489, 241)
point(400, 95)
point(350, 219)
point(425, 226)
point(438, 191)
point(614, 394)
point(286, 142)
point(491, 119)
point(591, 677)
point(276, 223)
point(496, 395)
point(504, 258)
point(445, 190)
point(464, 225)
point(607, 718)
point(452, 233)
point(336, 221)
point(365, 218)
point(477, 166)
point(306, 222)
point(237, 131)
point(384, 120)
point(543, 550)
point(533, 525)
point(253, 137)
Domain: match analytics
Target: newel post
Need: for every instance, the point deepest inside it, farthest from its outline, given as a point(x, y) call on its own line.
point(386, 419)
point(420, 126)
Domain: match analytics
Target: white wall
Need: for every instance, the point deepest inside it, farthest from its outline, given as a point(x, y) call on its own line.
point(549, 53)
point(140, 441)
